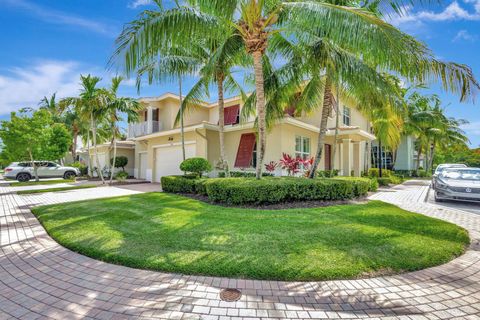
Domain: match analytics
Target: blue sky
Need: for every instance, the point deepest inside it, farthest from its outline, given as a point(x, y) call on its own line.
point(47, 44)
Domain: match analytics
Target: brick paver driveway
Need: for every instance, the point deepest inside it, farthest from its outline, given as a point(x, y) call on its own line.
point(41, 279)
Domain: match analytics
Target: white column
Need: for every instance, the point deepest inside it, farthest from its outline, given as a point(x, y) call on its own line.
point(346, 157)
point(357, 159)
point(149, 120)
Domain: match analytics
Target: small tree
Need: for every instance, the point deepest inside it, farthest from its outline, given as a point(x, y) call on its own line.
point(196, 165)
point(33, 137)
point(120, 162)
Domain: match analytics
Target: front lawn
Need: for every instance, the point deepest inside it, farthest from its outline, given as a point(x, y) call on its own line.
point(34, 183)
point(173, 233)
point(84, 186)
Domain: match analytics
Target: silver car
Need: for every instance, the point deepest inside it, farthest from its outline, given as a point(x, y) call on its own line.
point(445, 166)
point(462, 184)
point(23, 171)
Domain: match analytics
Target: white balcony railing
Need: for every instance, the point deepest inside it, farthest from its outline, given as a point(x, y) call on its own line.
point(143, 128)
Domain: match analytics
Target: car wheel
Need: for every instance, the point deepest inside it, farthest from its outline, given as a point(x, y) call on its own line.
point(69, 175)
point(23, 177)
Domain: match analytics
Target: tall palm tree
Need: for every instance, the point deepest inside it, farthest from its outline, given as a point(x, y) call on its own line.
point(91, 104)
point(116, 105)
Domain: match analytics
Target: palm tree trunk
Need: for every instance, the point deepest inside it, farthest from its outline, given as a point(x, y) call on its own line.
point(95, 151)
point(337, 123)
point(260, 106)
point(182, 129)
point(432, 155)
point(327, 106)
point(90, 169)
point(221, 124)
point(380, 158)
point(418, 156)
point(74, 144)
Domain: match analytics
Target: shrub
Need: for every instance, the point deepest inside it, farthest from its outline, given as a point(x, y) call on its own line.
point(375, 172)
point(327, 173)
point(121, 176)
point(423, 173)
point(385, 181)
point(120, 162)
point(80, 166)
point(200, 186)
point(196, 166)
point(275, 190)
point(244, 174)
point(361, 186)
point(373, 185)
point(396, 179)
point(179, 184)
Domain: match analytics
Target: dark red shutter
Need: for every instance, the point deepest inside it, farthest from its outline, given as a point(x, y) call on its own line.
point(231, 114)
point(328, 156)
point(245, 150)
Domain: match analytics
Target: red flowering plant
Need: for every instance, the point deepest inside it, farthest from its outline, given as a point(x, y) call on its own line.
point(271, 166)
point(291, 164)
point(307, 166)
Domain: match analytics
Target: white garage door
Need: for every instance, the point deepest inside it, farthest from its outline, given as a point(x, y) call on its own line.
point(168, 159)
point(143, 165)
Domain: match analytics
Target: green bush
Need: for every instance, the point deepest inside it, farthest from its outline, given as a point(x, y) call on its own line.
point(275, 190)
point(375, 172)
point(423, 173)
point(244, 174)
point(396, 179)
point(385, 181)
point(80, 166)
point(200, 186)
point(196, 166)
point(179, 184)
point(120, 162)
point(327, 173)
point(121, 176)
point(373, 185)
point(361, 186)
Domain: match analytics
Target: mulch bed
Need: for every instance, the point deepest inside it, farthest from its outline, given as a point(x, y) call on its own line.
point(278, 206)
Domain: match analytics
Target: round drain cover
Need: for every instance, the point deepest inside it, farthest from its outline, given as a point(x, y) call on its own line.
point(230, 295)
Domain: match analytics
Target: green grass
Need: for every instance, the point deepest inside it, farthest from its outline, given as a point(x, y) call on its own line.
point(34, 183)
point(172, 233)
point(85, 186)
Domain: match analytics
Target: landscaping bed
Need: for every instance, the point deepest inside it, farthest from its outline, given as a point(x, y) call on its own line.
point(168, 232)
point(270, 190)
point(35, 183)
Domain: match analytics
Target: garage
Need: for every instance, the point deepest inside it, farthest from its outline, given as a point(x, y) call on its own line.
point(168, 159)
point(142, 173)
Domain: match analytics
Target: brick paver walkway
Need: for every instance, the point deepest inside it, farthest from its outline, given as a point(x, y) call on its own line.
point(41, 279)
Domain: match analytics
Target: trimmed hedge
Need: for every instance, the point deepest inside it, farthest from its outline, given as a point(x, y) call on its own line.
point(243, 174)
point(179, 184)
point(361, 186)
point(384, 181)
point(275, 190)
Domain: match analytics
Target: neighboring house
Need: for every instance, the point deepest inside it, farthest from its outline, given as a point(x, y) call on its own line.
point(407, 156)
point(105, 153)
point(158, 149)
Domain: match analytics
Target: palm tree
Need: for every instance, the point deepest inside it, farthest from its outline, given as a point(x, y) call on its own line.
point(116, 105)
point(91, 105)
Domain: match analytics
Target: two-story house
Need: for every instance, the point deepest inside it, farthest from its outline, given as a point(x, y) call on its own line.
point(157, 138)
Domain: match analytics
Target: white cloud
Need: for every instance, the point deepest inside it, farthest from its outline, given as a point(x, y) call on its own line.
point(453, 12)
point(59, 17)
point(26, 86)
point(464, 35)
point(138, 3)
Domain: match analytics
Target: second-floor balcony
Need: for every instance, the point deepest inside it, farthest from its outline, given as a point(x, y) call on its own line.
point(143, 128)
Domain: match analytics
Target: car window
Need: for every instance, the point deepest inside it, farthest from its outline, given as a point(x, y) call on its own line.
point(52, 165)
point(462, 174)
point(24, 164)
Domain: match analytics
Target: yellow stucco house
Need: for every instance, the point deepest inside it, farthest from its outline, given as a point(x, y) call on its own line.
point(156, 143)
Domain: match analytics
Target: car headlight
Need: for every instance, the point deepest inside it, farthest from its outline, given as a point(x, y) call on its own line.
point(441, 185)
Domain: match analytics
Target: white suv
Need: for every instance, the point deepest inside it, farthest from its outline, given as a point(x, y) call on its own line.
point(23, 171)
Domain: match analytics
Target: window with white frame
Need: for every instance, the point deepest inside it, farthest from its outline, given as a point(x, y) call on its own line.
point(302, 147)
point(347, 115)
